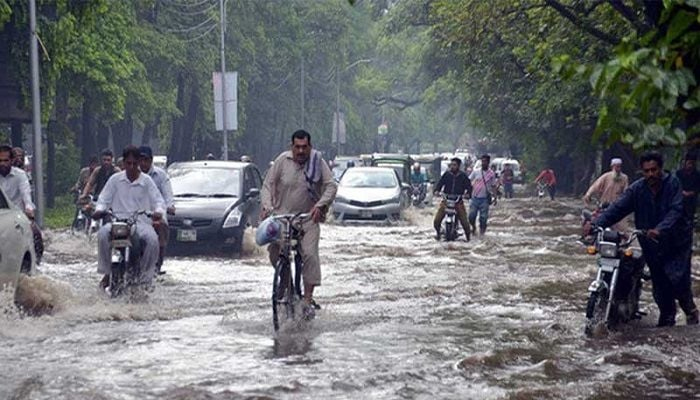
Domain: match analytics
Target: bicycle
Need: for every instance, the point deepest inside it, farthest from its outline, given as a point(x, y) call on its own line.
point(286, 292)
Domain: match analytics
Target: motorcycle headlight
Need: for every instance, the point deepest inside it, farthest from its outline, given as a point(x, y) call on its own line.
point(233, 219)
point(608, 250)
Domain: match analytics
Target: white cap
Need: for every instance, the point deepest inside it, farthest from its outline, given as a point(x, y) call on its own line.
point(616, 161)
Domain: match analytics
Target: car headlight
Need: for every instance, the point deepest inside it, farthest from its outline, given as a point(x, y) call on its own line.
point(395, 199)
point(608, 250)
point(233, 219)
point(341, 199)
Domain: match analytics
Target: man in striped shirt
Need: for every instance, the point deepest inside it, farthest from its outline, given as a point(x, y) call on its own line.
point(484, 182)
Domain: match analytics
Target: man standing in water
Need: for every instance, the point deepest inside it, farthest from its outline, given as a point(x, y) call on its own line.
point(300, 181)
point(484, 182)
point(657, 203)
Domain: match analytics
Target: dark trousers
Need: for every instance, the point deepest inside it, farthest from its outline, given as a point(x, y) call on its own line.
point(671, 282)
point(552, 191)
point(163, 232)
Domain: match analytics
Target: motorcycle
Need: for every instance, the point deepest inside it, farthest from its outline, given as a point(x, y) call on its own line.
point(614, 294)
point(125, 245)
point(418, 193)
point(451, 232)
point(541, 189)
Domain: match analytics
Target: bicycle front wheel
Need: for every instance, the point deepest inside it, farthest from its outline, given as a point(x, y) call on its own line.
point(282, 292)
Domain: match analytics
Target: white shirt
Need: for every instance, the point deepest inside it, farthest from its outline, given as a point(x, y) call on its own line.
point(162, 181)
point(480, 181)
point(17, 188)
point(125, 197)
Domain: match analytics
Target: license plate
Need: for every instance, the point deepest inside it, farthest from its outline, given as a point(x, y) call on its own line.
point(366, 214)
point(186, 235)
point(609, 264)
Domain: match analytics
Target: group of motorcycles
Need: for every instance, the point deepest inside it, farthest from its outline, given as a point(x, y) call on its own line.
point(613, 297)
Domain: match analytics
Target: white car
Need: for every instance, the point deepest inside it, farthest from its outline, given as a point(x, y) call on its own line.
point(370, 193)
point(16, 243)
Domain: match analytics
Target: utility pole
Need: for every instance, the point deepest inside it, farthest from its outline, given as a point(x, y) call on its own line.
point(303, 111)
point(222, 11)
point(337, 110)
point(36, 116)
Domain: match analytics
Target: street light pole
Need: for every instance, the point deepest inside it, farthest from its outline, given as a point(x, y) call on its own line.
point(337, 111)
point(222, 10)
point(337, 99)
point(303, 110)
point(36, 116)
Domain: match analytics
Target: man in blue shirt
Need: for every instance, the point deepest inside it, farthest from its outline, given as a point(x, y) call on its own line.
point(657, 204)
point(417, 176)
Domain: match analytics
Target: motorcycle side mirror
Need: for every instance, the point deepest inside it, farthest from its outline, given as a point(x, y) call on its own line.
point(253, 192)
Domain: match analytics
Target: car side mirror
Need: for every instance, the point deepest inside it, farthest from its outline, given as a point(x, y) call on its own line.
point(253, 192)
point(406, 187)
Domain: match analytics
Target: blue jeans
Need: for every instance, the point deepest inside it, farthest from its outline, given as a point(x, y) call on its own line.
point(479, 205)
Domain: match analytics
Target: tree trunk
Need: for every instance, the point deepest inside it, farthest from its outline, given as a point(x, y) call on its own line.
point(123, 133)
point(16, 134)
point(87, 136)
point(189, 124)
point(102, 136)
point(176, 132)
point(51, 165)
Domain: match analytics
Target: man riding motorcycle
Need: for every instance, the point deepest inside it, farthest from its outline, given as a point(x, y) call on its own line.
point(98, 178)
point(162, 181)
point(15, 183)
point(127, 193)
point(457, 183)
point(418, 182)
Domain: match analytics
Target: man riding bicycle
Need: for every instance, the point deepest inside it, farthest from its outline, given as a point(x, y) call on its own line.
point(456, 183)
point(300, 181)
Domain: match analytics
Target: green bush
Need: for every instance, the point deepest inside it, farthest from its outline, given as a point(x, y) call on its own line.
point(61, 215)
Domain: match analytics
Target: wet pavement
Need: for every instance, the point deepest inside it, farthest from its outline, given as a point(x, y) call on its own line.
point(403, 316)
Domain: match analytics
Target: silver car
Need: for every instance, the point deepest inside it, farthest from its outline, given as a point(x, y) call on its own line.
point(16, 243)
point(369, 193)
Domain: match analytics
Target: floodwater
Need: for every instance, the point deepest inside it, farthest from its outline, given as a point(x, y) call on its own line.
point(403, 317)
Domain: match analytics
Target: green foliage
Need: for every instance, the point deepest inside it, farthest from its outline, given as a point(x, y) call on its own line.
point(648, 86)
point(61, 215)
point(5, 12)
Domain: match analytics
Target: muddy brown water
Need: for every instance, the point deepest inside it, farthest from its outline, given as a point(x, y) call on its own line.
point(403, 317)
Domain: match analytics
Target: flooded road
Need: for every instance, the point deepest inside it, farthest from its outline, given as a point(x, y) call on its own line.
point(403, 316)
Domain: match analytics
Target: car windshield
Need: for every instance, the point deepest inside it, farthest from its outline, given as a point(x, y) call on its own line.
point(205, 182)
point(368, 179)
point(396, 167)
